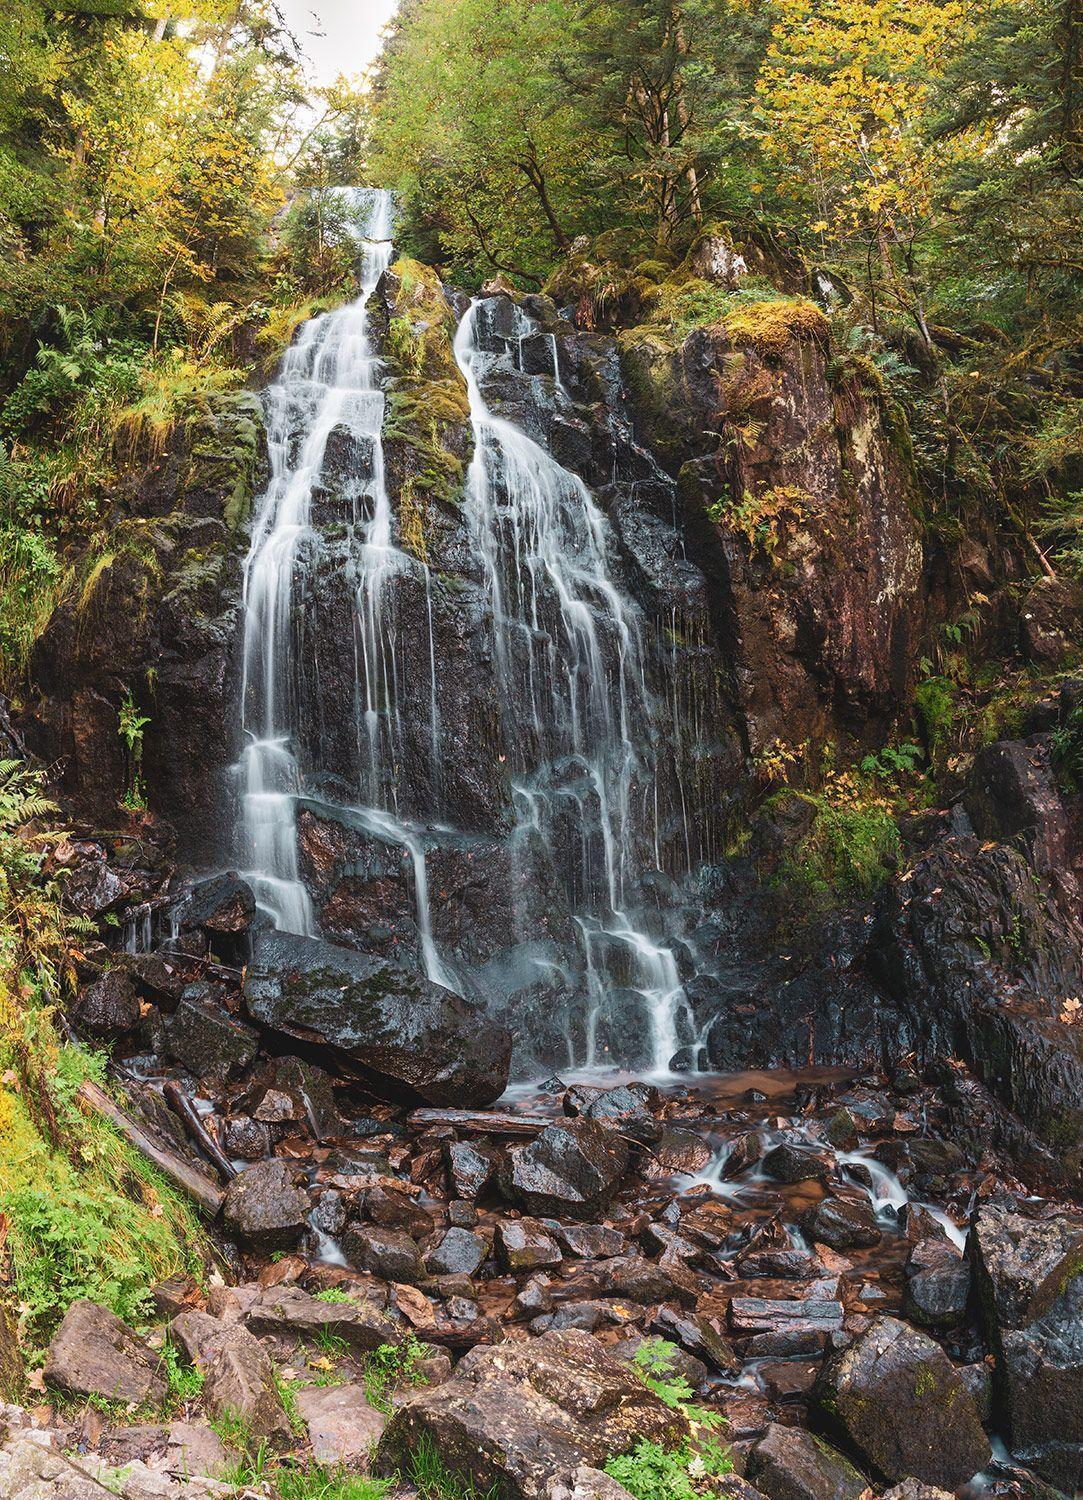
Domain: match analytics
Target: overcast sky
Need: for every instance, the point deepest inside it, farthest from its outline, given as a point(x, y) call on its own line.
point(351, 32)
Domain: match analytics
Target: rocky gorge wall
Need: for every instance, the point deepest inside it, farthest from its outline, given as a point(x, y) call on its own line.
point(766, 524)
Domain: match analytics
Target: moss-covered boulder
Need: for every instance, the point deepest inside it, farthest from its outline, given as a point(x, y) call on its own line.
point(897, 1399)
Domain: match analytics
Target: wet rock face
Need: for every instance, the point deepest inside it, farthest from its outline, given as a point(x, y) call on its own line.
point(787, 1464)
point(516, 1415)
point(1030, 1282)
point(899, 1401)
point(405, 1036)
point(265, 1208)
point(162, 605)
point(570, 1170)
point(108, 1008)
point(823, 624)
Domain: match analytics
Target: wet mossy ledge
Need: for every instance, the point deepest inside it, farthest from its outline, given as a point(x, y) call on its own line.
point(427, 415)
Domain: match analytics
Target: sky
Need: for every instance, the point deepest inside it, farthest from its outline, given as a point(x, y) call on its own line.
point(351, 30)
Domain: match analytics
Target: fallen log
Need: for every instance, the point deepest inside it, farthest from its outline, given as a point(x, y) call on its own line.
point(199, 1187)
point(199, 1132)
point(479, 1121)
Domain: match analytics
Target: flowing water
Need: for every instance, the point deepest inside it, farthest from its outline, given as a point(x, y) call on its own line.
point(582, 727)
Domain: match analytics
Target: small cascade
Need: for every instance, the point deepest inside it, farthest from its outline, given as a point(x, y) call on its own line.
point(580, 720)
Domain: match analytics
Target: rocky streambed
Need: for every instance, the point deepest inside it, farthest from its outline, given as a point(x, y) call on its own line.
point(408, 1262)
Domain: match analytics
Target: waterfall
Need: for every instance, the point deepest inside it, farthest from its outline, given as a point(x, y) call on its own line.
point(327, 378)
point(571, 677)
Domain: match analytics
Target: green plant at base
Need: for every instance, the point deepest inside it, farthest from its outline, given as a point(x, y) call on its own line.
point(131, 727)
point(391, 1365)
point(893, 761)
point(333, 1294)
point(653, 1362)
point(651, 1472)
point(318, 1483)
point(435, 1481)
point(934, 699)
point(185, 1381)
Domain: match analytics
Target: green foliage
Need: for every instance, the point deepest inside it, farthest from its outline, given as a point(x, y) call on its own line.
point(934, 700)
point(653, 1362)
point(389, 1366)
point(434, 1480)
point(318, 1483)
point(131, 727)
point(333, 1294)
point(894, 761)
point(651, 1472)
point(184, 1380)
point(1067, 750)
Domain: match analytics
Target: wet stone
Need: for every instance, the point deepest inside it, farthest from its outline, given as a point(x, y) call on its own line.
point(264, 1207)
point(109, 1008)
point(675, 1152)
point(790, 1163)
point(246, 1139)
point(570, 1170)
point(787, 1464)
point(205, 1039)
point(390, 1254)
point(697, 1337)
point(522, 1245)
point(842, 1224)
point(586, 1241)
point(458, 1252)
point(470, 1168)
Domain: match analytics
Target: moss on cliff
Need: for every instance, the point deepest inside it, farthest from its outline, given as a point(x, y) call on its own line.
point(427, 408)
point(772, 324)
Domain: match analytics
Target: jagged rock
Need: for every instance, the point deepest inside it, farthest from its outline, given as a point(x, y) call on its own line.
point(895, 1396)
point(406, 1037)
point(246, 1139)
point(240, 1385)
point(788, 1162)
point(587, 1241)
point(457, 1253)
point(93, 1353)
point(634, 1278)
point(290, 1313)
point(197, 1334)
point(311, 1089)
point(515, 1415)
point(585, 1483)
point(154, 978)
point(1040, 1377)
point(913, 1489)
point(223, 908)
point(842, 1223)
point(469, 1167)
point(32, 1467)
point(676, 1151)
point(626, 1108)
point(937, 1284)
point(571, 1169)
point(205, 1039)
point(390, 1254)
point(392, 1209)
point(536, 1296)
point(109, 1008)
point(697, 1337)
point(1021, 1265)
point(1012, 796)
point(522, 1245)
point(788, 1464)
point(342, 1427)
point(265, 1208)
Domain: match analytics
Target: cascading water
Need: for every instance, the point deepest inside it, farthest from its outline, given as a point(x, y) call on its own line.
point(569, 649)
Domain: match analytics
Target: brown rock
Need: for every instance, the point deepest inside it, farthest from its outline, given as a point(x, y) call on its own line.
point(93, 1353)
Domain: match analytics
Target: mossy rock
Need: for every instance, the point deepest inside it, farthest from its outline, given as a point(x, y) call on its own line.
point(770, 326)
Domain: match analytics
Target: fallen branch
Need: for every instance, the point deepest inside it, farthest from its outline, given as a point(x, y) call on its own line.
point(199, 1132)
point(199, 1187)
point(478, 1121)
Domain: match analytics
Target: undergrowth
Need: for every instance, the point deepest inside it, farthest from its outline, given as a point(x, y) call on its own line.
point(87, 1216)
point(684, 1472)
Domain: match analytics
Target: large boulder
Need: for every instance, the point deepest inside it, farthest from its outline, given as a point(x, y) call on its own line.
point(94, 1354)
point(404, 1036)
point(514, 1415)
point(294, 1316)
point(240, 1386)
point(1029, 1275)
point(109, 1007)
point(206, 1039)
point(897, 1399)
point(570, 1170)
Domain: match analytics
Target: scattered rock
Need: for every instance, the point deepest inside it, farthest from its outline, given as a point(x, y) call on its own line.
point(264, 1207)
point(390, 1254)
point(787, 1162)
point(240, 1385)
point(842, 1223)
point(93, 1353)
point(457, 1253)
point(585, 1483)
point(342, 1427)
point(470, 1168)
point(1021, 1265)
point(109, 1008)
point(522, 1245)
point(1040, 1375)
point(205, 1039)
point(898, 1399)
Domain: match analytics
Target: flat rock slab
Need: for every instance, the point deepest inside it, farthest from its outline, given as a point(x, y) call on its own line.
point(93, 1353)
point(516, 1415)
point(342, 1427)
point(287, 1312)
point(900, 1402)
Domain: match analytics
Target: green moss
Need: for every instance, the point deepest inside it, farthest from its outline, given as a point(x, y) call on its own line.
point(771, 325)
point(850, 849)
